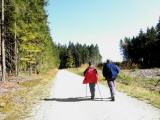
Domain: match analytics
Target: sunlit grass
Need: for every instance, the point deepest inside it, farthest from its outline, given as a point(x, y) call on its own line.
point(18, 105)
point(141, 93)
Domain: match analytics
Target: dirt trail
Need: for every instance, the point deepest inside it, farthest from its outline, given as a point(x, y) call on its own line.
point(68, 101)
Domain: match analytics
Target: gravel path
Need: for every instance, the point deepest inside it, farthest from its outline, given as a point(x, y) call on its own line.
point(68, 101)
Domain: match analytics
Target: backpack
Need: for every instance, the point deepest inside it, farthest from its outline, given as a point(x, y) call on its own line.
point(91, 76)
point(111, 71)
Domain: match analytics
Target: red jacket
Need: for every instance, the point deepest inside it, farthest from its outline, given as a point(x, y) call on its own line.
point(91, 75)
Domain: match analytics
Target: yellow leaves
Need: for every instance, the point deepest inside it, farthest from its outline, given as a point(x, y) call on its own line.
point(30, 48)
point(30, 37)
point(30, 52)
point(28, 59)
point(25, 59)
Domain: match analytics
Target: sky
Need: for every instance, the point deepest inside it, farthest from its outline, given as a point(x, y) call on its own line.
point(102, 22)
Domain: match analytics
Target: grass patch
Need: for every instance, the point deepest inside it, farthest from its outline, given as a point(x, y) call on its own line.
point(18, 105)
point(140, 88)
point(79, 70)
point(152, 97)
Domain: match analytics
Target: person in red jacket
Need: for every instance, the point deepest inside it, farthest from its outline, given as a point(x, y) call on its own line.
point(91, 77)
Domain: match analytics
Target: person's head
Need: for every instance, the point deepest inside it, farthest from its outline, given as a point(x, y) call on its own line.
point(108, 61)
point(90, 63)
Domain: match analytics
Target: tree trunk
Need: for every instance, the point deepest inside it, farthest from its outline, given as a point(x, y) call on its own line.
point(3, 43)
point(16, 52)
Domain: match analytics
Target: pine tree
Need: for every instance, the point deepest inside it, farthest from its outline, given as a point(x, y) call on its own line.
point(143, 48)
point(76, 54)
point(70, 62)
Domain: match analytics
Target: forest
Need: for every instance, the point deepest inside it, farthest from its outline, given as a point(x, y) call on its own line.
point(74, 55)
point(26, 42)
point(144, 48)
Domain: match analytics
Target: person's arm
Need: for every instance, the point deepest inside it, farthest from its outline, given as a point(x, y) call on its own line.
point(103, 71)
point(84, 73)
point(95, 71)
point(117, 68)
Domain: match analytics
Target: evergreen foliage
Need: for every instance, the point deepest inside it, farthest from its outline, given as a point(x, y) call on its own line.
point(74, 55)
point(144, 48)
point(26, 23)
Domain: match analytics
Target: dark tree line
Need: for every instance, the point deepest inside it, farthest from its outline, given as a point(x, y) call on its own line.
point(144, 48)
point(74, 55)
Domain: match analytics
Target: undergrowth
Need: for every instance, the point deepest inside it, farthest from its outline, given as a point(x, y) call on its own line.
point(18, 105)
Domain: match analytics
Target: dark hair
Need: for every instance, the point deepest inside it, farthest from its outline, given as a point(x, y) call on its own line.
point(108, 61)
point(90, 63)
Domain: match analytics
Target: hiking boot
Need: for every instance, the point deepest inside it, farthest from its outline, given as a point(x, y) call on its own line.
point(92, 97)
point(112, 98)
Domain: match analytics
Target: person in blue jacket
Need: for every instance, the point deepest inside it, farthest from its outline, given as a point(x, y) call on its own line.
point(110, 72)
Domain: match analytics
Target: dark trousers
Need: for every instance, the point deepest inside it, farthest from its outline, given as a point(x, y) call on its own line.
point(92, 89)
point(111, 84)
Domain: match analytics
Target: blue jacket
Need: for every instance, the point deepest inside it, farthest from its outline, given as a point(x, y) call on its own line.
point(110, 71)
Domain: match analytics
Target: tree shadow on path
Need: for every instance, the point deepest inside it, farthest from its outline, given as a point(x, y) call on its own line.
point(75, 99)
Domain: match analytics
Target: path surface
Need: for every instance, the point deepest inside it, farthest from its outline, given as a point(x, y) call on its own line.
point(68, 101)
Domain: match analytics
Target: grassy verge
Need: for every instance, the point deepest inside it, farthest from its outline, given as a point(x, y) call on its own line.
point(133, 87)
point(79, 70)
point(140, 88)
point(151, 97)
point(18, 105)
